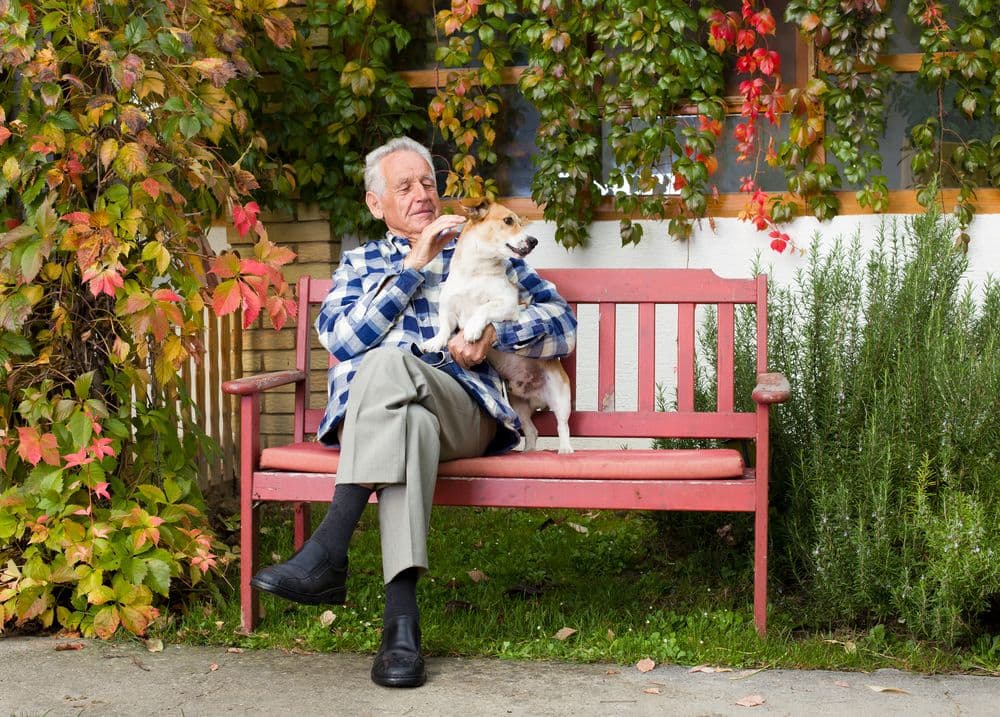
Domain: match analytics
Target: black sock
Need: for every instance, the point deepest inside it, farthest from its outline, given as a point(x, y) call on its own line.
point(335, 531)
point(401, 595)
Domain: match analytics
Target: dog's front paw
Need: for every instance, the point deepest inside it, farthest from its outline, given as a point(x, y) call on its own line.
point(472, 333)
point(432, 345)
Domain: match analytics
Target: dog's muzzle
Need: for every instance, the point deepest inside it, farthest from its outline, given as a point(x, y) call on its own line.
point(525, 247)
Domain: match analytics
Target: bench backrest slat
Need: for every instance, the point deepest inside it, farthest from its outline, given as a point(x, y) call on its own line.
point(606, 332)
point(647, 357)
point(685, 357)
point(606, 290)
point(725, 369)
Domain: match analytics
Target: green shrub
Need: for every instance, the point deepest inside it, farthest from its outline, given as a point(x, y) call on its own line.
point(886, 471)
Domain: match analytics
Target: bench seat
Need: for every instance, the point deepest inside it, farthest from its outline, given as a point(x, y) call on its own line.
point(644, 464)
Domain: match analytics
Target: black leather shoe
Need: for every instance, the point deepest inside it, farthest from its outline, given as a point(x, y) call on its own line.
point(399, 662)
point(307, 577)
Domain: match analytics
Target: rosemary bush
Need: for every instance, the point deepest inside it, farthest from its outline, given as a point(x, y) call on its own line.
point(886, 462)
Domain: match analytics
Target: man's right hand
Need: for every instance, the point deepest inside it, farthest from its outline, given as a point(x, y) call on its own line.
point(434, 237)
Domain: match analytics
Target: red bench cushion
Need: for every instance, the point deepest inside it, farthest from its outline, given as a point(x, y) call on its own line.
point(311, 457)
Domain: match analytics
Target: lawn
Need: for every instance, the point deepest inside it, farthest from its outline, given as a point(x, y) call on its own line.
point(575, 586)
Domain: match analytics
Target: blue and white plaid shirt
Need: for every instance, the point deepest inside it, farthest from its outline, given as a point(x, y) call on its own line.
point(358, 315)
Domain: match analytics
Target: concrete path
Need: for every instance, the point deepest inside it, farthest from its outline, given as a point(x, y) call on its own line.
point(39, 678)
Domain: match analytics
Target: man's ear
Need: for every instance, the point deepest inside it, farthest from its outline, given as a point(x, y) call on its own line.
point(374, 205)
point(476, 208)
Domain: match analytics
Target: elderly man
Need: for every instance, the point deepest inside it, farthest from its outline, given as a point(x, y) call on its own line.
point(396, 412)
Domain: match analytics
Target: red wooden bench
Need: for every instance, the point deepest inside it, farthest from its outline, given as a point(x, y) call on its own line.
point(302, 471)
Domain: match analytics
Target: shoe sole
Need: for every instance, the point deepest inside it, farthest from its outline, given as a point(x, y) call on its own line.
point(400, 681)
point(333, 596)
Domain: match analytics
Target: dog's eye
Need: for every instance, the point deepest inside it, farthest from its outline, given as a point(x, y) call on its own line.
point(509, 221)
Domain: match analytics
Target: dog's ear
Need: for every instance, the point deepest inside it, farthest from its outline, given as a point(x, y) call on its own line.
point(476, 208)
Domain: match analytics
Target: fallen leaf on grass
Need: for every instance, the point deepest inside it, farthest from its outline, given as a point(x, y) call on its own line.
point(564, 633)
point(477, 576)
point(652, 691)
point(64, 646)
point(611, 634)
point(645, 665)
point(709, 669)
point(850, 647)
point(326, 618)
point(751, 701)
point(154, 645)
point(842, 683)
point(888, 690)
point(578, 528)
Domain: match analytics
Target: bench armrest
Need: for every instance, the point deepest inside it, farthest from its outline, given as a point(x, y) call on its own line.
point(771, 388)
point(249, 385)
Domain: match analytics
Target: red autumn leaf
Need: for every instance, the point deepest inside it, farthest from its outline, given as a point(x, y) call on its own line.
point(104, 281)
point(34, 447)
point(245, 217)
point(76, 218)
point(80, 458)
point(272, 254)
point(253, 301)
point(4, 135)
point(279, 310)
point(102, 447)
point(151, 187)
point(226, 297)
point(645, 665)
point(225, 266)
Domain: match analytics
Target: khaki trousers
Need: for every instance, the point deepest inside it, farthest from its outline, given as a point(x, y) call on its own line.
point(403, 417)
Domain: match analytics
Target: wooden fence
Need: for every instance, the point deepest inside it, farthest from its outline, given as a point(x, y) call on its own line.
point(216, 413)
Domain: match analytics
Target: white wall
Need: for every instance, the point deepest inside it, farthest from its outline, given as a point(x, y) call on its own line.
point(731, 247)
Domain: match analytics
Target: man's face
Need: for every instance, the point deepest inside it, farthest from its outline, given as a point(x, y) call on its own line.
point(410, 201)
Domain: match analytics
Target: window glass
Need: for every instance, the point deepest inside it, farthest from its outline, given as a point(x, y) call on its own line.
point(911, 102)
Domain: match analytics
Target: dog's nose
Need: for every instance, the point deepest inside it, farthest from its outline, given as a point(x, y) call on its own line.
point(531, 242)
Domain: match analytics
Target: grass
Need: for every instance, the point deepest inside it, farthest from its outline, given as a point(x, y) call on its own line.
point(503, 583)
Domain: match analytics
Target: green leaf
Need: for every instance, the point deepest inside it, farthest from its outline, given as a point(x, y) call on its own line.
point(175, 490)
point(190, 126)
point(158, 576)
point(152, 493)
point(8, 525)
point(80, 429)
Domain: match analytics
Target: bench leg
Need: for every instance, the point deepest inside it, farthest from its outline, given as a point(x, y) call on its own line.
point(249, 601)
point(302, 524)
point(249, 513)
point(760, 570)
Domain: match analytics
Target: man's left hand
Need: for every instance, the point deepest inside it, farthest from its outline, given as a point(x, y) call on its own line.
point(467, 354)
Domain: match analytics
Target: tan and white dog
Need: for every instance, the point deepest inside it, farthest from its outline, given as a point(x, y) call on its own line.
point(478, 292)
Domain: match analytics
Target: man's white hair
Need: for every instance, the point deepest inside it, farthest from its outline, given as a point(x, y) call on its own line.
point(374, 178)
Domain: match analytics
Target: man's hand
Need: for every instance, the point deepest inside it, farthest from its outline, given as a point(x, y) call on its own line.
point(434, 237)
point(467, 354)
